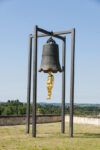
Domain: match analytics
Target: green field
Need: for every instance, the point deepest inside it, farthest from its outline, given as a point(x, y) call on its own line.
point(86, 137)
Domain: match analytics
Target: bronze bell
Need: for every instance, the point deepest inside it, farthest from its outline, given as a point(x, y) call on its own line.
point(50, 62)
point(50, 57)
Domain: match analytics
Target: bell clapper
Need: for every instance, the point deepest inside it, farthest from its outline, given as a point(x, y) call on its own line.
point(50, 81)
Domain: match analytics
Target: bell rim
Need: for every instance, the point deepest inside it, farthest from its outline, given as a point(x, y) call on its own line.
point(50, 70)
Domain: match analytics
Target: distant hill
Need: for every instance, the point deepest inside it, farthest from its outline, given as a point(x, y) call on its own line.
point(67, 104)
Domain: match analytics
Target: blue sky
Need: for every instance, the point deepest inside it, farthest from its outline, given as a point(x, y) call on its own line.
point(17, 19)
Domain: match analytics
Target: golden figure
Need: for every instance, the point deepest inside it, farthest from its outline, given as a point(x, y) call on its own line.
point(50, 84)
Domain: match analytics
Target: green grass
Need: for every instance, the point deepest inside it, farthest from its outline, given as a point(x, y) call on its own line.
point(49, 137)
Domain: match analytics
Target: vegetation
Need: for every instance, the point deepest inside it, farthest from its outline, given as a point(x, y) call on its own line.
point(12, 108)
point(15, 107)
point(49, 137)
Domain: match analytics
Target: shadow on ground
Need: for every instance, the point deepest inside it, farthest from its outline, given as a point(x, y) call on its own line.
point(87, 135)
point(76, 135)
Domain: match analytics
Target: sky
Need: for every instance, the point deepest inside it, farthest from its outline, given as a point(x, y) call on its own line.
point(17, 20)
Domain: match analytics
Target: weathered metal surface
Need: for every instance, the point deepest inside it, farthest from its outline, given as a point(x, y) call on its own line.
point(50, 57)
point(46, 33)
point(34, 83)
point(29, 85)
point(63, 84)
point(72, 83)
point(54, 34)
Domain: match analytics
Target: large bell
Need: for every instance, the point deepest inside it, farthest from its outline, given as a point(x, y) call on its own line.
point(50, 57)
point(50, 62)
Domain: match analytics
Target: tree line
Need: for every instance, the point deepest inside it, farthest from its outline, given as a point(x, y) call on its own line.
point(15, 107)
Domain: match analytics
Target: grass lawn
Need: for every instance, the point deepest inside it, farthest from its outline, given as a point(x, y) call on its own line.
point(86, 137)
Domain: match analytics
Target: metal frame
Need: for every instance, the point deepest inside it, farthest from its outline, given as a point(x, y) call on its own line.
point(57, 35)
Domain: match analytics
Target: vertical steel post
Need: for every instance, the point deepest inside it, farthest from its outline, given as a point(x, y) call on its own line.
point(29, 85)
point(63, 84)
point(72, 83)
point(34, 83)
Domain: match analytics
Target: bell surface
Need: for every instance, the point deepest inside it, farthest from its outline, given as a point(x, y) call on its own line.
point(50, 57)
